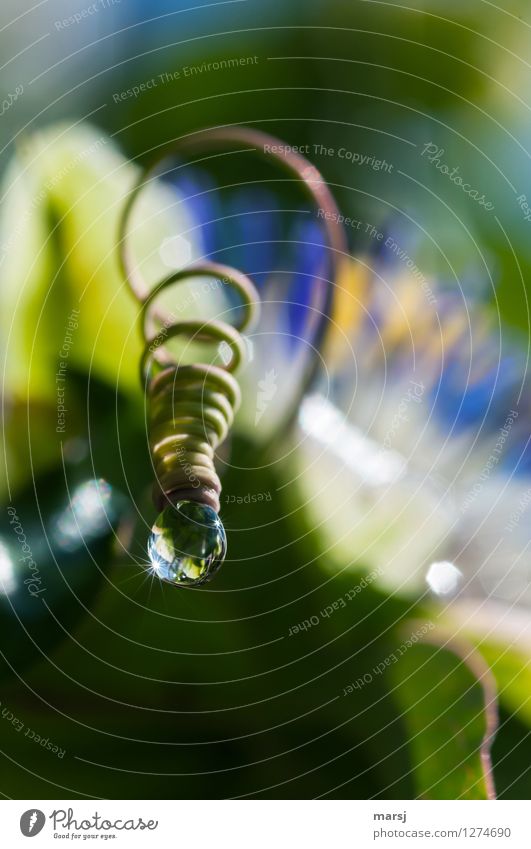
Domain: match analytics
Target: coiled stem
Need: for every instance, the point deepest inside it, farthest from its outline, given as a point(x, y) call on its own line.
point(191, 407)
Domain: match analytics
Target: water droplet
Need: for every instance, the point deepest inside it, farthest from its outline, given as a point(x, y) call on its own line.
point(187, 544)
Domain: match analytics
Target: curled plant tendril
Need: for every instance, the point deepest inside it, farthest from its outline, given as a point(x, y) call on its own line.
point(191, 407)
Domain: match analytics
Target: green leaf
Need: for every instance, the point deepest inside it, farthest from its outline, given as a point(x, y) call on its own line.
point(64, 192)
point(448, 699)
point(64, 306)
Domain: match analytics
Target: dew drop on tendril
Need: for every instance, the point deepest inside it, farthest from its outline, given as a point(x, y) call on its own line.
point(187, 544)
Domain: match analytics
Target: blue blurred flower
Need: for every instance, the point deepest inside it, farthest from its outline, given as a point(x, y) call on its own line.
point(414, 455)
point(283, 252)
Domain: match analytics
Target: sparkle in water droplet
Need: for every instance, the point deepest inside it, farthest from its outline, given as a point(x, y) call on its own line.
point(187, 544)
